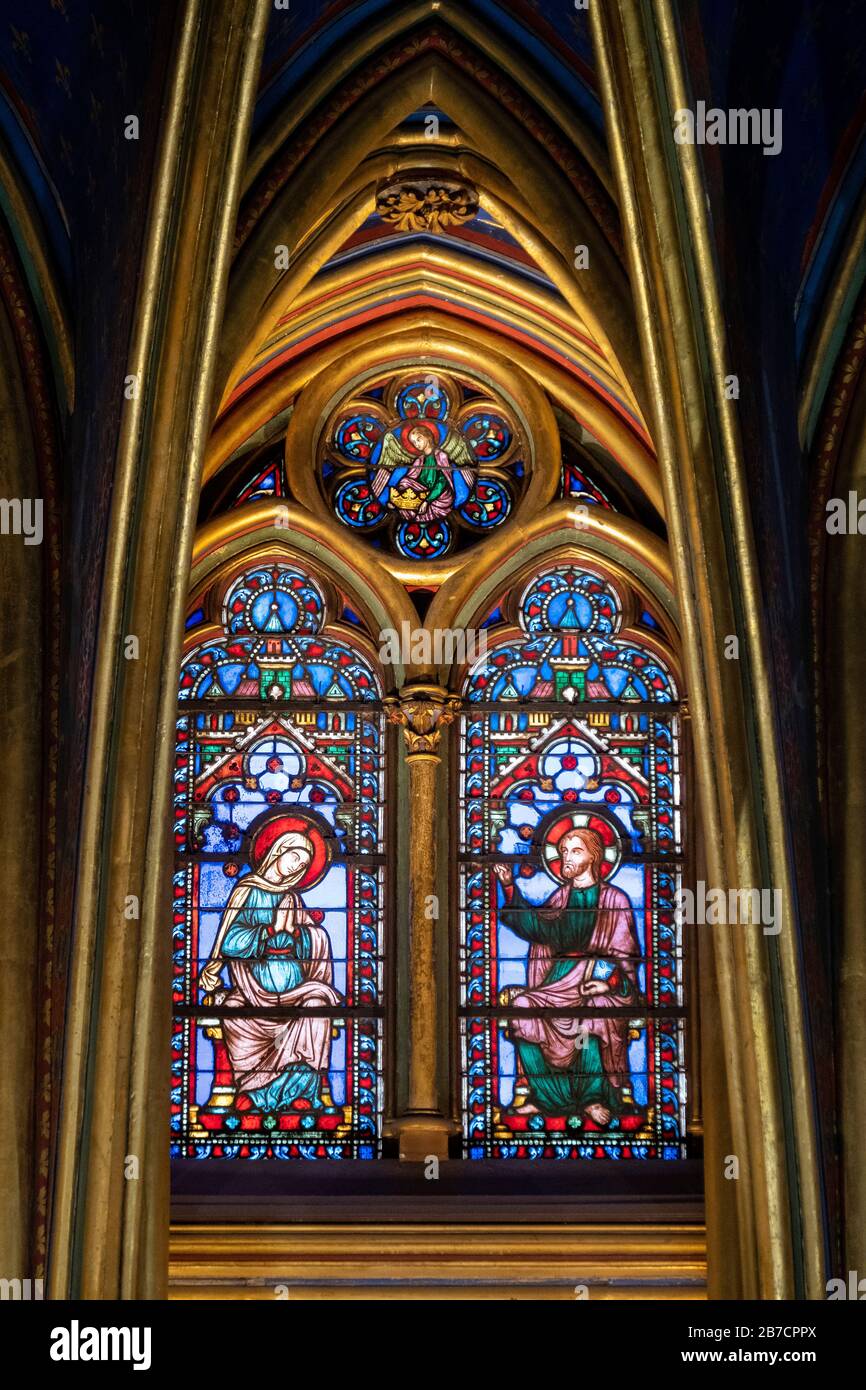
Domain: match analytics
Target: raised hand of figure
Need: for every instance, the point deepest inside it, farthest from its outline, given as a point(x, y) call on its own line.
point(210, 977)
point(596, 987)
point(504, 873)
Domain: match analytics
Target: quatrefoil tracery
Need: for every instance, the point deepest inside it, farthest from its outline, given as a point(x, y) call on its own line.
point(422, 463)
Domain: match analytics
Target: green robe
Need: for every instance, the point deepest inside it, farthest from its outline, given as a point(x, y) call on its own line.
point(432, 477)
point(569, 1090)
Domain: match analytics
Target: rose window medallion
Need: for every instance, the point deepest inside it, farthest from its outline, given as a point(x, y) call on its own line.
point(423, 464)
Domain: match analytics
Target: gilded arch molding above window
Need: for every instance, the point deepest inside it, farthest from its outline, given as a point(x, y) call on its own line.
point(263, 528)
point(553, 214)
point(413, 336)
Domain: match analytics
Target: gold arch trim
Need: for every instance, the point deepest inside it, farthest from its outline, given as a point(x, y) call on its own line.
point(256, 300)
point(350, 204)
point(406, 269)
point(634, 557)
point(566, 533)
point(465, 343)
point(455, 15)
point(245, 534)
point(444, 353)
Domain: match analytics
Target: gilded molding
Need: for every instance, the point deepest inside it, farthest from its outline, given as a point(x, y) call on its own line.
point(423, 1127)
point(632, 557)
point(633, 554)
point(411, 270)
point(446, 1260)
point(109, 1235)
point(347, 206)
point(498, 137)
point(448, 353)
point(284, 527)
point(638, 50)
point(416, 201)
point(401, 337)
point(381, 32)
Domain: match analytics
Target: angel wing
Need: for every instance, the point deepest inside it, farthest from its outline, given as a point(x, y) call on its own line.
point(461, 457)
point(393, 456)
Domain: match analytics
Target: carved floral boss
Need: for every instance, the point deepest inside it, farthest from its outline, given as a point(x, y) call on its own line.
point(423, 202)
point(422, 464)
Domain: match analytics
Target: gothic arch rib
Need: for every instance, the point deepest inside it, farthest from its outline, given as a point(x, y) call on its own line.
point(444, 22)
point(561, 219)
point(296, 533)
point(433, 326)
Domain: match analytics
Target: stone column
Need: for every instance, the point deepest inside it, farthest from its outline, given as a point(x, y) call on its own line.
point(423, 711)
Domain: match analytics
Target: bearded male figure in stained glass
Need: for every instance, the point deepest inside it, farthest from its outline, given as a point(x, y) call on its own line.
point(570, 847)
point(583, 952)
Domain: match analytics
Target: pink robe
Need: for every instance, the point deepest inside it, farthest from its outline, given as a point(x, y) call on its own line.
point(262, 1048)
point(613, 938)
point(439, 506)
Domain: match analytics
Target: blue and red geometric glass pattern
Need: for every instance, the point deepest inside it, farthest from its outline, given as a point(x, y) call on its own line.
point(272, 647)
point(422, 464)
point(262, 485)
point(567, 651)
point(279, 883)
point(570, 852)
point(577, 484)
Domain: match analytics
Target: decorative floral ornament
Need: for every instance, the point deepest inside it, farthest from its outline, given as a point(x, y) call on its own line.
point(421, 202)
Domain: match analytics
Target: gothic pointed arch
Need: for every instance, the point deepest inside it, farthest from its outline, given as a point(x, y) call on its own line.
point(551, 203)
point(432, 328)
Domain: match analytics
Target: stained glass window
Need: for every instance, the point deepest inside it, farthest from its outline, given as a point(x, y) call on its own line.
point(422, 464)
point(570, 851)
point(279, 883)
point(577, 484)
point(264, 484)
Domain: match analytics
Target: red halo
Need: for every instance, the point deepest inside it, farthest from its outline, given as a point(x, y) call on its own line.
point(302, 825)
point(581, 821)
point(435, 427)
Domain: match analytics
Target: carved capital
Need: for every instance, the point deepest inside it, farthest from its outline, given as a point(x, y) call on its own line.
point(423, 712)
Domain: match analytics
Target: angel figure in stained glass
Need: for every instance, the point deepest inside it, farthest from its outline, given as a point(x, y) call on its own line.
point(424, 469)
